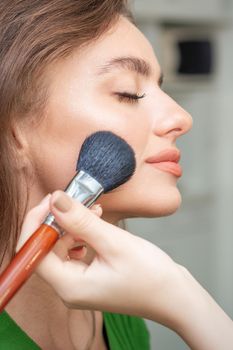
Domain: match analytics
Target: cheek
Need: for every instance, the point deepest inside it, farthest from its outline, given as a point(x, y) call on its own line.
point(94, 110)
point(54, 165)
point(56, 144)
point(54, 151)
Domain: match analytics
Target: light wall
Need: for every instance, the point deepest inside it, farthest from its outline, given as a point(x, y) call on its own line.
point(200, 235)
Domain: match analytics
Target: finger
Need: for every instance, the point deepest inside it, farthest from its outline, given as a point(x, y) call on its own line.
point(66, 244)
point(68, 247)
point(80, 222)
point(78, 253)
point(62, 276)
point(97, 210)
point(63, 245)
point(33, 220)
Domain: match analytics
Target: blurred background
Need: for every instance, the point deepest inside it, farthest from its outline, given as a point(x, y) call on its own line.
point(193, 41)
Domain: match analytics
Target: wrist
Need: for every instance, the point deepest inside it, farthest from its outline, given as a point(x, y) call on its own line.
point(202, 323)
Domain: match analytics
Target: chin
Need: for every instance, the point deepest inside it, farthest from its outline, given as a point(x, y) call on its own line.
point(165, 204)
point(151, 205)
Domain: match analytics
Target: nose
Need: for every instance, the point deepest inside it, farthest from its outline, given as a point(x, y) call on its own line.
point(173, 121)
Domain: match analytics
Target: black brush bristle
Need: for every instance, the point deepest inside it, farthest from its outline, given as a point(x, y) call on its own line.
point(108, 159)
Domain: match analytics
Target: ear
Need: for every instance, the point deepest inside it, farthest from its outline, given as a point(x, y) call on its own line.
point(20, 143)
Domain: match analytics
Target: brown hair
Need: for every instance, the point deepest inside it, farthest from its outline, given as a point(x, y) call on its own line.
point(33, 34)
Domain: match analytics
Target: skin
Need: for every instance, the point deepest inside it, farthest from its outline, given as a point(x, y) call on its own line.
point(82, 101)
point(87, 102)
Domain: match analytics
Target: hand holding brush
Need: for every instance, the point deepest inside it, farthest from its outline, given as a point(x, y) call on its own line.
point(129, 275)
point(105, 162)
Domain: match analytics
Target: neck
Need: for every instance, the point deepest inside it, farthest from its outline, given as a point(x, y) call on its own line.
point(42, 315)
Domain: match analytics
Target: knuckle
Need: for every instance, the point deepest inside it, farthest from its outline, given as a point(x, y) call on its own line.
point(81, 221)
point(31, 213)
point(66, 298)
point(183, 269)
point(34, 213)
point(70, 297)
point(67, 304)
point(65, 293)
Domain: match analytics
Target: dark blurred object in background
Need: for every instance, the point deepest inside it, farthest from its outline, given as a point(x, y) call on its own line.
point(196, 57)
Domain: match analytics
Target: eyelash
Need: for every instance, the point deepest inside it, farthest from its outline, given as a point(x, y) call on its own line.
point(129, 98)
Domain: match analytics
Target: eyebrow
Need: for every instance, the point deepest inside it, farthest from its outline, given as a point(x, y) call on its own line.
point(133, 64)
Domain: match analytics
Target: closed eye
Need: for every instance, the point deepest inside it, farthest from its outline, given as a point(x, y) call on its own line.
point(128, 97)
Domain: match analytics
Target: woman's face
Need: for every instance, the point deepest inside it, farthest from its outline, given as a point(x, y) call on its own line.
point(91, 91)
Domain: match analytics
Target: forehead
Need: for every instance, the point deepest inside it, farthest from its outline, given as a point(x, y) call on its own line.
point(122, 40)
point(84, 65)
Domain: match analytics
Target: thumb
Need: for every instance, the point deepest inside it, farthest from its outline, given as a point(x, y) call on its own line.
point(82, 223)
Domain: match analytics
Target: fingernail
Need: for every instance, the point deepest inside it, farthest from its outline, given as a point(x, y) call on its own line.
point(62, 202)
point(97, 209)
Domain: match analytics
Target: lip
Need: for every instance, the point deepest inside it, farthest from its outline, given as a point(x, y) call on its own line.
point(167, 160)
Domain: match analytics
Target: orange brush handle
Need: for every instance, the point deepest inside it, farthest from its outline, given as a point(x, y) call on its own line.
point(25, 262)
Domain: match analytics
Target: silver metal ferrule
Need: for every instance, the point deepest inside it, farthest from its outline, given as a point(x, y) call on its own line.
point(82, 187)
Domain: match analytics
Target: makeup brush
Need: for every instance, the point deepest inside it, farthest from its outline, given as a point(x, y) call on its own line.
point(105, 162)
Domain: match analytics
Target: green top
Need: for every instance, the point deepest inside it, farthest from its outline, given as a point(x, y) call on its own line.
point(123, 333)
